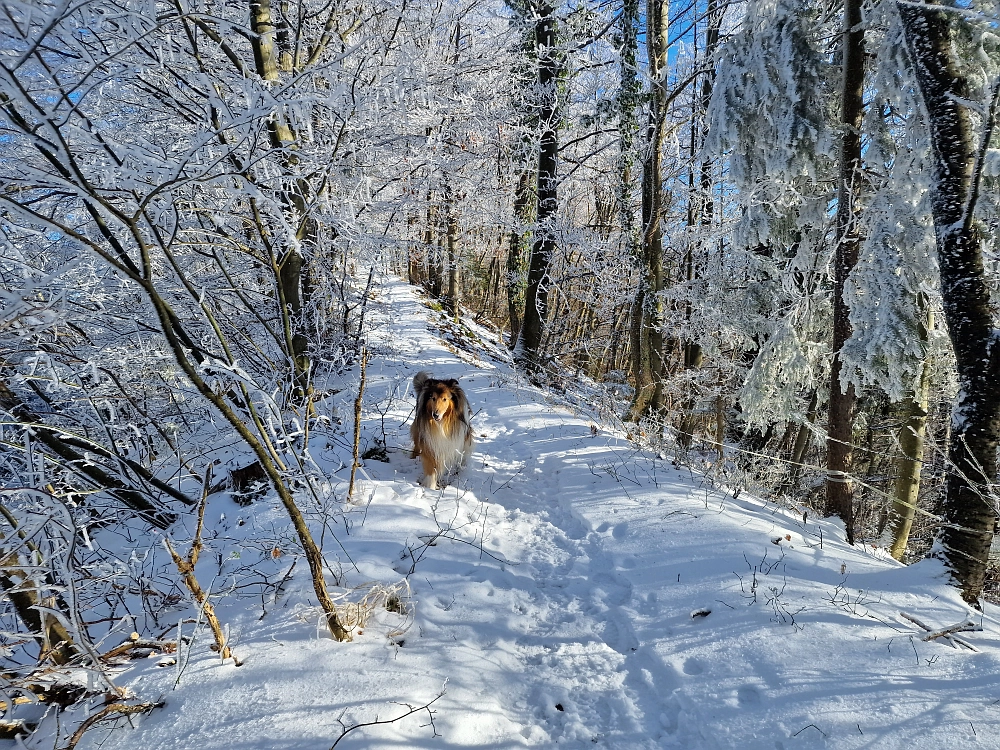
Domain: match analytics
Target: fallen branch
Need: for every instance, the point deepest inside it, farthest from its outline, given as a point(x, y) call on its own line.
point(968, 626)
point(119, 709)
point(164, 647)
point(948, 633)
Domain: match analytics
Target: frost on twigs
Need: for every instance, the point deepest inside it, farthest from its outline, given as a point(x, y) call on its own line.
point(387, 609)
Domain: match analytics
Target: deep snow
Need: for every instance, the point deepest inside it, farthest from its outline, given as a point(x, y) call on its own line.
point(562, 599)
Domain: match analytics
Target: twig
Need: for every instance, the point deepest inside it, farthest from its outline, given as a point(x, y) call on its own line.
point(482, 535)
point(115, 708)
point(806, 727)
point(278, 590)
point(376, 722)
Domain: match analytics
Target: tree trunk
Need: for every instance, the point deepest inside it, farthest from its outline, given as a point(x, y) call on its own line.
point(517, 253)
point(969, 508)
point(629, 100)
point(647, 323)
point(703, 213)
point(843, 401)
point(438, 262)
point(413, 256)
point(453, 299)
point(693, 358)
point(639, 351)
point(264, 57)
point(802, 442)
point(290, 267)
point(429, 248)
point(527, 350)
point(906, 489)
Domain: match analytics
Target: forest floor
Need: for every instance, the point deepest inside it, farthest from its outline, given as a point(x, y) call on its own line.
point(568, 589)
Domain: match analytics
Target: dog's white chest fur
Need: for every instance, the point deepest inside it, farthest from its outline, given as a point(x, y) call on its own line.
point(449, 451)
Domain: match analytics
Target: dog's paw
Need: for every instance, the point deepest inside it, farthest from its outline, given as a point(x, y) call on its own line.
point(429, 482)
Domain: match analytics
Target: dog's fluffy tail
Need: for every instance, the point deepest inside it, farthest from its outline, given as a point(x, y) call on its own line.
point(420, 379)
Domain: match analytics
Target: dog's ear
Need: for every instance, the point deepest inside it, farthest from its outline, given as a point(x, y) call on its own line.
point(420, 380)
point(451, 383)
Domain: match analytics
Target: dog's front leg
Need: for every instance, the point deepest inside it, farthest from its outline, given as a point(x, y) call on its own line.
point(430, 472)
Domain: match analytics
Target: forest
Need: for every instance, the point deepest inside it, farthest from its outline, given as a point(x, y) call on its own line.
point(760, 236)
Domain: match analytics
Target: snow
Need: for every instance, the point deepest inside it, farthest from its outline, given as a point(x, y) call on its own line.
point(568, 589)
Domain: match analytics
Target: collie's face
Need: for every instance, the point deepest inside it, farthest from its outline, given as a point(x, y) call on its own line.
point(440, 402)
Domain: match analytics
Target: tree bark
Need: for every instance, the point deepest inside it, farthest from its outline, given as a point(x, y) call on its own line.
point(969, 509)
point(906, 489)
point(453, 299)
point(291, 267)
point(843, 401)
point(414, 254)
point(430, 231)
point(647, 337)
point(802, 442)
point(527, 350)
point(639, 354)
point(264, 57)
point(517, 253)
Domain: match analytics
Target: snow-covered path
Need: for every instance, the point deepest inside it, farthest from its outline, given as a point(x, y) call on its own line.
point(574, 591)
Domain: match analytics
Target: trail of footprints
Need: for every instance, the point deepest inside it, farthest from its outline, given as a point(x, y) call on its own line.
point(579, 641)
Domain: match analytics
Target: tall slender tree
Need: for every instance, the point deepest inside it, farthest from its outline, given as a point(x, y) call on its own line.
point(843, 397)
point(528, 347)
point(647, 307)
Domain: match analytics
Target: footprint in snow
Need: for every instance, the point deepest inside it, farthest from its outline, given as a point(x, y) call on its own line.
point(693, 666)
point(748, 695)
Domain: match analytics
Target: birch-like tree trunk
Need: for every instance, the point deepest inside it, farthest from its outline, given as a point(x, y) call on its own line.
point(969, 510)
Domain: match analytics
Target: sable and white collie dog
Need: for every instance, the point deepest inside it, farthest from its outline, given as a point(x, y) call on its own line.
point(442, 435)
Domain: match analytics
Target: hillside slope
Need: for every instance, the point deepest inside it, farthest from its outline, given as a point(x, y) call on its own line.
point(567, 590)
